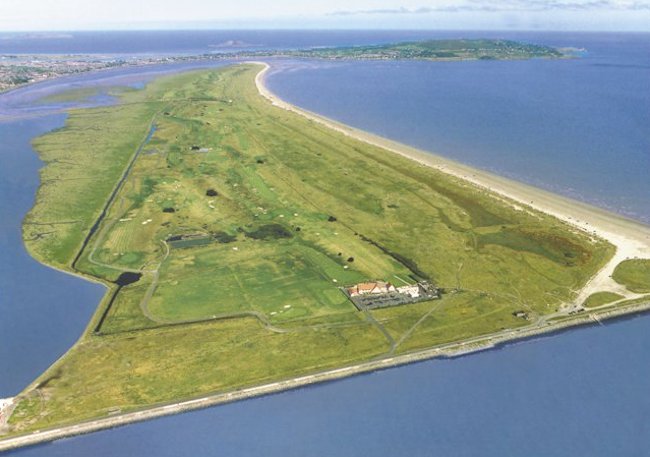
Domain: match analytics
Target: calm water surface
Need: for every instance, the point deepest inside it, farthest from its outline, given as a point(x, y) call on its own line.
point(211, 41)
point(582, 392)
point(42, 311)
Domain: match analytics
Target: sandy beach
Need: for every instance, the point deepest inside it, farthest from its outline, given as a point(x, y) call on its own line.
point(631, 238)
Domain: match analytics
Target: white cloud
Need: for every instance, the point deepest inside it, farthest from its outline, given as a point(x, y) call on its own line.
point(506, 5)
point(26, 15)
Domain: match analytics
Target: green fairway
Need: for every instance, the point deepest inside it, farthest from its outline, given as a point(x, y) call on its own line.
point(601, 298)
point(84, 162)
point(245, 221)
point(634, 274)
point(283, 282)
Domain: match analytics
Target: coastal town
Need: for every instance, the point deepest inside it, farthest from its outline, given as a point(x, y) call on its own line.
point(19, 70)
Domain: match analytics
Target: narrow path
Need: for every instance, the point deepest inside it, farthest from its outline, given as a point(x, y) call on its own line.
point(370, 318)
point(410, 331)
point(116, 189)
point(203, 320)
point(104, 212)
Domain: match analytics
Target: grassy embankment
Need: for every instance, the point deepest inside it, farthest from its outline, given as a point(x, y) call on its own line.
point(295, 211)
point(601, 298)
point(634, 274)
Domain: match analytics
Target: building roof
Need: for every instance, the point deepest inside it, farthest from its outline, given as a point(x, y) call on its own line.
point(369, 287)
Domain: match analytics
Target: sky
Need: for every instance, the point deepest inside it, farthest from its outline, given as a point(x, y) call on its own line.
point(56, 15)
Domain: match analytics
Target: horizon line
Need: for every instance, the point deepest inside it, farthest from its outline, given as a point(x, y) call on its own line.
point(319, 29)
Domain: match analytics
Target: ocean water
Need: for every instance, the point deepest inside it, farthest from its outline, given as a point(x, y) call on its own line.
point(42, 311)
point(581, 392)
point(210, 41)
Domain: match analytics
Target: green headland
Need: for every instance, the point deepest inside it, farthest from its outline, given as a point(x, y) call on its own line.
point(227, 230)
point(457, 49)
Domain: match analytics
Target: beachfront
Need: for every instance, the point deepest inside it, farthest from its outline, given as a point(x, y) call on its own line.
point(631, 238)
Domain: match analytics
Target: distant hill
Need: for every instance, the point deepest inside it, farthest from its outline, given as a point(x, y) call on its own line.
point(483, 49)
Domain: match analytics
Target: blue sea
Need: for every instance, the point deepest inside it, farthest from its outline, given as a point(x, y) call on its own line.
point(578, 127)
point(215, 41)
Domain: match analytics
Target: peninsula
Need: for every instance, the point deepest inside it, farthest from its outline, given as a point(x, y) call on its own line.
point(458, 49)
point(233, 231)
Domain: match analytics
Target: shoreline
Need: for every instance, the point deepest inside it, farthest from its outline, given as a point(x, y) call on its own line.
point(630, 238)
point(445, 351)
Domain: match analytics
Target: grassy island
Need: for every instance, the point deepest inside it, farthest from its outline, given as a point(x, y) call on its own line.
point(227, 228)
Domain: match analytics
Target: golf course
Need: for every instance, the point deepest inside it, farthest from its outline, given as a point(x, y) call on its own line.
point(227, 228)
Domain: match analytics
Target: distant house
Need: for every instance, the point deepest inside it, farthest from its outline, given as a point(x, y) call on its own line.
point(380, 294)
point(375, 287)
